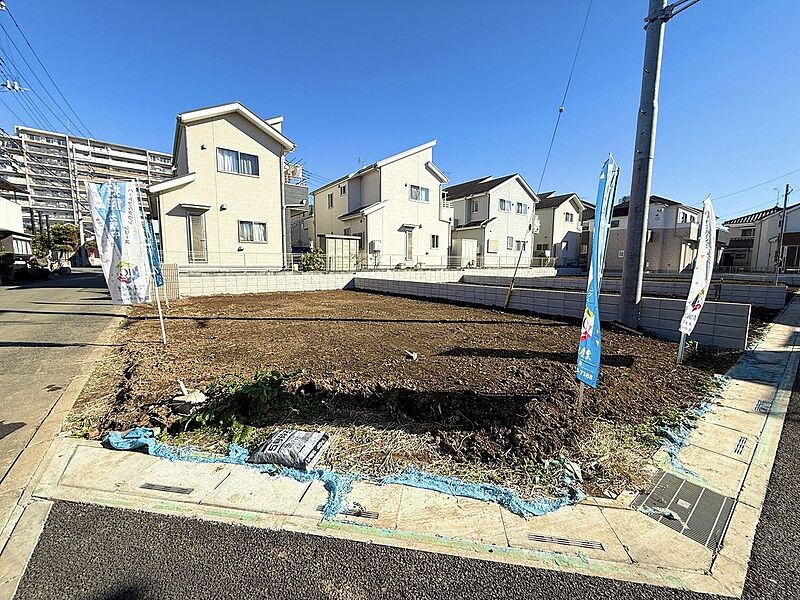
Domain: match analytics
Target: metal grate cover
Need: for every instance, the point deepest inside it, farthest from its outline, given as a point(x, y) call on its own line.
point(692, 510)
point(740, 445)
point(549, 539)
point(173, 489)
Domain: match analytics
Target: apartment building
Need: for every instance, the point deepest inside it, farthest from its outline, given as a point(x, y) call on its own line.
point(394, 206)
point(490, 221)
point(557, 235)
point(673, 230)
point(226, 205)
point(52, 168)
point(754, 240)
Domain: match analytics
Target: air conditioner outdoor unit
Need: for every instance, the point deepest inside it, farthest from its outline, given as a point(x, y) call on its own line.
point(375, 246)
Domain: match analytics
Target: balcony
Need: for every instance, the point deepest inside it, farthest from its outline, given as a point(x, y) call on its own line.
point(688, 231)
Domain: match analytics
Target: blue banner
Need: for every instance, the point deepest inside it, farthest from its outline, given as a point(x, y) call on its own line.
point(589, 345)
point(155, 261)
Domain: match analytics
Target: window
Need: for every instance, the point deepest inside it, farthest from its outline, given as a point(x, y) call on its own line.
point(621, 254)
point(615, 223)
point(330, 200)
point(749, 232)
point(418, 193)
point(227, 161)
point(252, 231)
point(456, 222)
point(509, 243)
point(196, 237)
point(691, 219)
point(569, 217)
point(434, 242)
point(348, 231)
point(541, 246)
point(342, 189)
point(522, 208)
point(520, 245)
point(584, 249)
point(248, 164)
point(505, 205)
point(231, 161)
point(409, 244)
point(683, 217)
point(491, 246)
point(564, 247)
point(474, 206)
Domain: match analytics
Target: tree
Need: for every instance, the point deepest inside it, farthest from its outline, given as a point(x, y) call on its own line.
point(40, 245)
point(64, 238)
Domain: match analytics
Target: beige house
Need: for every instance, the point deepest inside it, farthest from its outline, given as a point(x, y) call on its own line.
point(225, 205)
point(394, 207)
point(673, 230)
point(490, 219)
point(557, 234)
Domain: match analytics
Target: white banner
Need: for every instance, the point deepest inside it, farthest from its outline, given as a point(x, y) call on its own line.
point(121, 240)
point(703, 268)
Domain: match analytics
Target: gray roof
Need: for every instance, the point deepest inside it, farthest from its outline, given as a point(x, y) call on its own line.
point(475, 186)
point(357, 210)
point(756, 216)
point(548, 200)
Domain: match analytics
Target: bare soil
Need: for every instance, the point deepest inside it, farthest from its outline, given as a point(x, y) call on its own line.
point(489, 390)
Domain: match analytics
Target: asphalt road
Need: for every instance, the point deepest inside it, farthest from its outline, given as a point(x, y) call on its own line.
point(100, 553)
point(47, 329)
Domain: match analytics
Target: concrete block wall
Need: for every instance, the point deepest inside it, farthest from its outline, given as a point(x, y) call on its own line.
point(721, 324)
point(202, 282)
point(767, 296)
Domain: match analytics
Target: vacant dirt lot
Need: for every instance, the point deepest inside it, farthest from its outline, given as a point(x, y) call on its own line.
point(489, 389)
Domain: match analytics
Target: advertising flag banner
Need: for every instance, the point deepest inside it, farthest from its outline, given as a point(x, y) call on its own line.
point(155, 261)
point(121, 240)
point(703, 268)
point(589, 345)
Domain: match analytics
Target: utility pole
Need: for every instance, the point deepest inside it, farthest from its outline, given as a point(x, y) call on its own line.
point(779, 252)
point(644, 149)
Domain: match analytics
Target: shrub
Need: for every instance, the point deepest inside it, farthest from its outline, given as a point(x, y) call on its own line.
point(313, 261)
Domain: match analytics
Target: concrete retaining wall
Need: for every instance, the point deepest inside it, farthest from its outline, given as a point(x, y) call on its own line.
point(721, 324)
point(207, 282)
point(767, 296)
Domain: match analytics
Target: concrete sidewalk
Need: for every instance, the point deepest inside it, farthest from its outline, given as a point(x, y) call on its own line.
point(693, 529)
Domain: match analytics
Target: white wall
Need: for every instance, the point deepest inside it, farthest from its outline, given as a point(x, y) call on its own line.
point(248, 198)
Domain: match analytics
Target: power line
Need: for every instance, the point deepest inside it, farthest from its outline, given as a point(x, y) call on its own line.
point(50, 77)
point(33, 72)
point(564, 98)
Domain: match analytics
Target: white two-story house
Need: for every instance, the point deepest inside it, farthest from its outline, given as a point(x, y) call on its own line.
point(225, 206)
point(755, 237)
point(558, 235)
point(395, 208)
point(491, 217)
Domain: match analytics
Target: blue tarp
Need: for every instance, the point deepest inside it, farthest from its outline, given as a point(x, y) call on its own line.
point(338, 486)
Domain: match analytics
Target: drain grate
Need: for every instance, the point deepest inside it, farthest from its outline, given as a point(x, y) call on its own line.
point(740, 445)
point(173, 489)
point(692, 510)
point(763, 406)
point(357, 511)
point(550, 539)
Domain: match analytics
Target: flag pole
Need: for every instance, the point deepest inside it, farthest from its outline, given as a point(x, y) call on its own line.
point(681, 348)
point(160, 312)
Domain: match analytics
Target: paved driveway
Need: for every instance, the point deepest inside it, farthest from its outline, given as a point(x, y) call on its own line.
point(47, 330)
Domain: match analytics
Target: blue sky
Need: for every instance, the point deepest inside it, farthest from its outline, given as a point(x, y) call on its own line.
point(363, 80)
